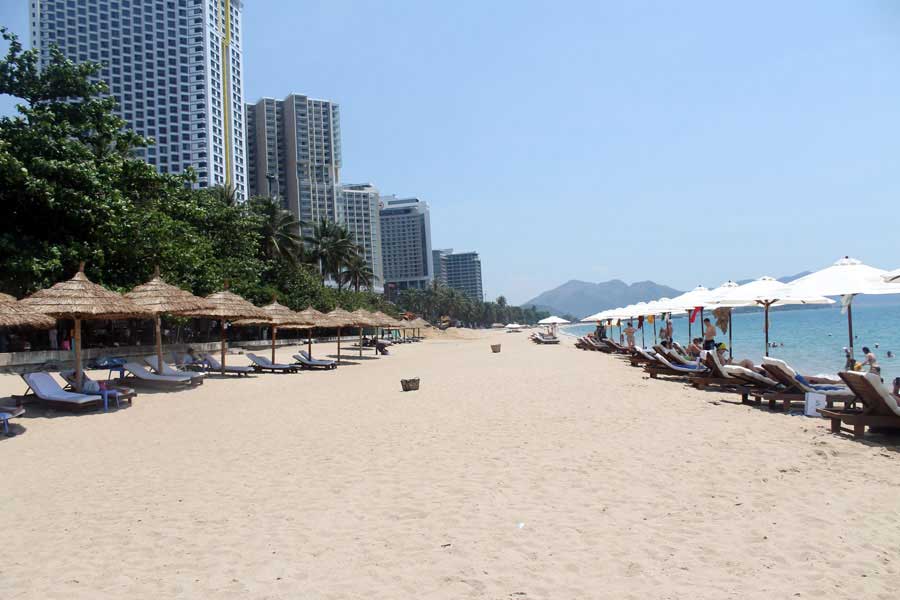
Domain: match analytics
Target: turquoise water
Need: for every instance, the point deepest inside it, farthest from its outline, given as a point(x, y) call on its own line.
point(813, 339)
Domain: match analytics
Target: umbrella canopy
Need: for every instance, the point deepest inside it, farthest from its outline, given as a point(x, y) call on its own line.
point(766, 292)
point(554, 320)
point(892, 276)
point(313, 318)
point(419, 323)
point(340, 318)
point(385, 320)
point(226, 306)
point(846, 277)
point(6, 298)
point(158, 297)
point(697, 297)
point(79, 299)
point(14, 314)
point(279, 316)
point(513, 326)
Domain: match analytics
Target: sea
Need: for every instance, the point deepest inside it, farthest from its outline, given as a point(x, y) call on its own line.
point(810, 340)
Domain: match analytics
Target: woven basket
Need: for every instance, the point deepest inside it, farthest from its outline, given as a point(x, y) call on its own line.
point(410, 385)
point(495, 348)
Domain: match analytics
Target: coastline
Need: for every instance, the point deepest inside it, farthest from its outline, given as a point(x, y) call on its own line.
point(538, 472)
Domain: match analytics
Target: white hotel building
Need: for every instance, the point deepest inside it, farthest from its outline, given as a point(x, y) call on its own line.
point(174, 66)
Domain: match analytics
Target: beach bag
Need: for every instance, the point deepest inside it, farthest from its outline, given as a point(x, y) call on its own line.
point(813, 403)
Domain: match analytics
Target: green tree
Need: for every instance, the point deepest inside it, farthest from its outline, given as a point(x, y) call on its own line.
point(357, 271)
point(279, 229)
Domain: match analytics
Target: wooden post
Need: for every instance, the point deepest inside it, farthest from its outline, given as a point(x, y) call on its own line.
point(339, 345)
point(309, 342)
point(850, 325)
point(360, 341)
point(223, 346)
point(79, 376)
point(730, 343)
point(274, 333)
point(159, 358)
point(767, 328)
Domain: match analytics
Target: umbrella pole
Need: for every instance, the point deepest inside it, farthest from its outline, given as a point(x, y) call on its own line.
point(339, 345)
point(850, 324)
point(360, 341)
point(159, 358)
point(654, 330)
point(274, 333)
point(643, 343)
point(79, 376)
point(309, 342)
point(767, 328)
point(730, 343)
point(222, 340)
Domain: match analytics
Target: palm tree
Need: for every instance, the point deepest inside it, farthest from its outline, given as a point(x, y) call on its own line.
point(357, 271)
point(280, 230)
point(226, 193)
point(331, 246)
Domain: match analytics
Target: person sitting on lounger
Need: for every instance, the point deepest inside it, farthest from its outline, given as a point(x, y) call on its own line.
point(629, 335)
point(709, 335)
point(695, 347)
point(722, 351)
point(871, 361)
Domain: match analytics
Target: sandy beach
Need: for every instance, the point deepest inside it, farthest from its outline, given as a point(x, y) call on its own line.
point(539, 472)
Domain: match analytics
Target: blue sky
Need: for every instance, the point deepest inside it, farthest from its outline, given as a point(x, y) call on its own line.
point(683, 142)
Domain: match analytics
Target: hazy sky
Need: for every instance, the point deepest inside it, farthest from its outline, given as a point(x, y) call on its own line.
point(683, 142)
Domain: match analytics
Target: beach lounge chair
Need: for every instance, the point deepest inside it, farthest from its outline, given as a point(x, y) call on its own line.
point(117, 393)
point(796, 386)
point(7, 413)
point(139, 374)
point(879, 406)
point(717, 375)
point(756, 382)
point(306, 362)
point(664, 367)
point(642, 356)
point(214, 366)
point(196, 378)
point(261, 363)
point(47, 390)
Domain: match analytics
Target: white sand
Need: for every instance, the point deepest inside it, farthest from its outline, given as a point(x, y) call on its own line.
point(540, 472)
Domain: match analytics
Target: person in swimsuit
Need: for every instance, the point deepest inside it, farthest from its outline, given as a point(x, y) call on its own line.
point(629, 335)
point(871, 361)
point(709, 335)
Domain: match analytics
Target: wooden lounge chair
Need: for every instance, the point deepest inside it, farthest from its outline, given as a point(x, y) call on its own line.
point(196, 378)
point(717, 375)
point(796, 387)
point(89, 386)
point(43, 387)
point(140, 375)
point(214, 366)
point(305, 362)
point(664, 367)
point(642, 357)
point(880, 408)
point(261, 363)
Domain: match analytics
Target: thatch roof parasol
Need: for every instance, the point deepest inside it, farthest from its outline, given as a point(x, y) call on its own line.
point(6, 298)
point(385, 320)
point(14, 314)
point(159, 297)
point(341, 318)
point(280, 317)
point(365, 319)
point(80, 298)
point(315, 319)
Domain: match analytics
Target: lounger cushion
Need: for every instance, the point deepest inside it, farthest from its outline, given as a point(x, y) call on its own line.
point(46, 388)
point(142, 373)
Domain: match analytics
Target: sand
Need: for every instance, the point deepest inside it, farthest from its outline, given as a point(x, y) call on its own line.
point(539, 472)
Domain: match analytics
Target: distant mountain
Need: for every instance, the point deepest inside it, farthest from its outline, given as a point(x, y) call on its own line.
point(582, 298)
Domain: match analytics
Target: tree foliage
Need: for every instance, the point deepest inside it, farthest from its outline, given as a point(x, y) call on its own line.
point(440, 301)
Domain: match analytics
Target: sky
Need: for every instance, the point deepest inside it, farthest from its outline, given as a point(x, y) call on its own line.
point(681, 142)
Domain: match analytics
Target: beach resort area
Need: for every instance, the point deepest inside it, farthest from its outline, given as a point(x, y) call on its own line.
point(541, 471)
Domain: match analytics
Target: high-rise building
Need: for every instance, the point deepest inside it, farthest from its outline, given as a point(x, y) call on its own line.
point(405, 244)
point(463, 273)
point(175, 68)
point(295, 145)
point(439, 259)
point(358, 210)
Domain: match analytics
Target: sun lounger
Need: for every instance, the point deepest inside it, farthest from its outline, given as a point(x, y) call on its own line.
point(797, 386)
point(139, 374)
point(261, 363)
point(7, 413)
point(880, 407)
point(118, 393)
point(214, 366)
point(46, 389)
point(196, 378)
point(717, 375)
point(306, 362)
point(641, 357)
point(665, 367)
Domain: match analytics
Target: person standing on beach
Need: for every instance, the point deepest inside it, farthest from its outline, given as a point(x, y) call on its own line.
point(629, 335)
point(668, 333)
point(709, 335)
point(871, 361)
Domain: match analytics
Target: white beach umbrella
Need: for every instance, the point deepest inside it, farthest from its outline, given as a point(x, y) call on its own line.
point(717, 293)
point(892, 276)
point(847, 277)
point(688, 301)
point(554, 320)
point(766, 292)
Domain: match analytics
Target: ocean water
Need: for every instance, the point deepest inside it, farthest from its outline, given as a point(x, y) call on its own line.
point(813, 339)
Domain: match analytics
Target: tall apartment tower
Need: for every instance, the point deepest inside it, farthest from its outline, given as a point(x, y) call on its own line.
point(358, 210)
point(175, 68)
point(439, 259)
point(405, 244)
point(463, 273)
point(295, 146)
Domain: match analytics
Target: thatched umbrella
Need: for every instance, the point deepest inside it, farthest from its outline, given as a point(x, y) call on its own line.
point(384, 321)
point(365, 319)
point(315, 319)
point(279, 316)
point(225, 306)
point(6, 298)
point(340, 318)
point(15, 314)
point(159, 297)
point(80, 299)
point(419, 323)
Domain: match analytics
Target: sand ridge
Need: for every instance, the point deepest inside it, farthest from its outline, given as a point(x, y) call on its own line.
point(539, 472)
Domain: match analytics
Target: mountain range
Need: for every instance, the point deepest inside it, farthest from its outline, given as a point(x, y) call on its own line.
point(582, 298)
